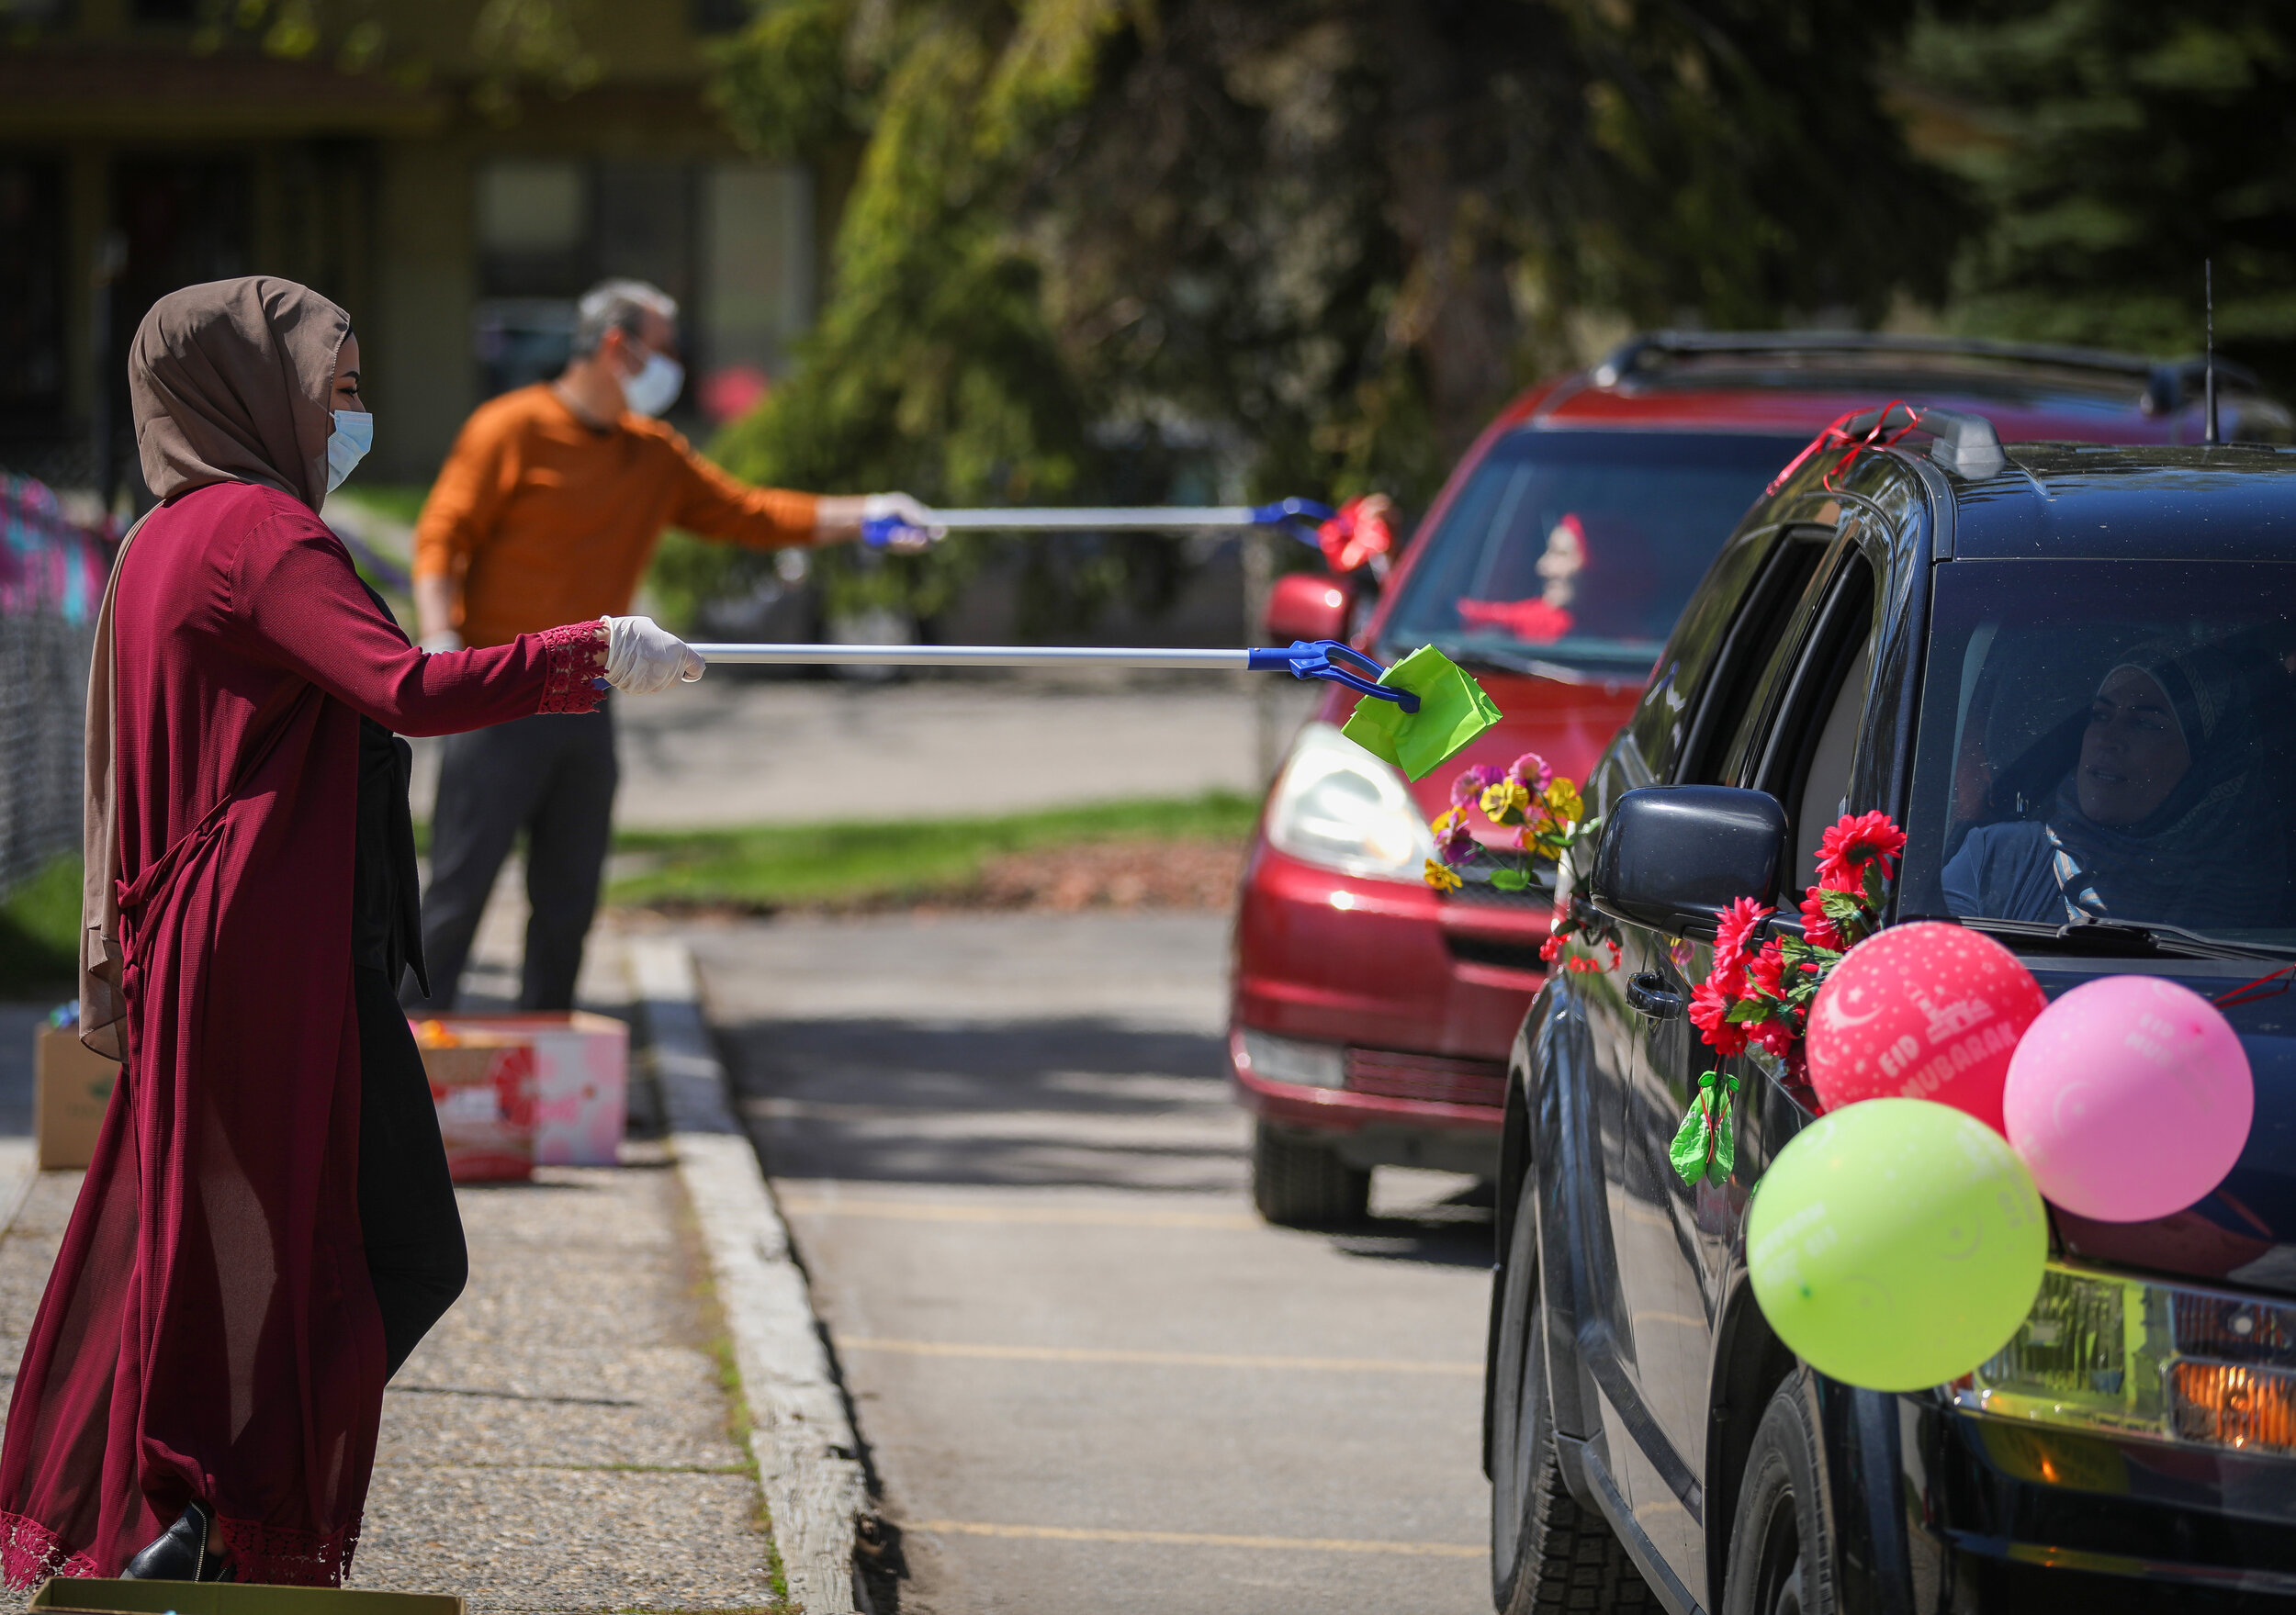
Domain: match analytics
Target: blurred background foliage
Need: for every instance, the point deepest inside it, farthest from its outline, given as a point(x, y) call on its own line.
point(2109, 146)
point(1092, 247)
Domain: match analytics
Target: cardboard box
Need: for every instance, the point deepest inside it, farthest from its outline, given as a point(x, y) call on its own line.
point(71, 1087)
point(223, 1598)
point(581, 1079)
point(483, 1084)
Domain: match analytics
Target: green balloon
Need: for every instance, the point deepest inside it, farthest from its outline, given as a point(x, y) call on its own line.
point(1896, 1243)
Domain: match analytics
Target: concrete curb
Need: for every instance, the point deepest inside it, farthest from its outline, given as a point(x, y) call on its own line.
point(807, 1455)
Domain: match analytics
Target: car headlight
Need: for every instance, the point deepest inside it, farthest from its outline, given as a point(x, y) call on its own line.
point(2124, 1356)
point(1294, 1060)
point(1338, 807)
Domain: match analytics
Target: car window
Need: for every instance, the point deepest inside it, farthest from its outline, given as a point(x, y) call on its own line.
point(1825, 795)
point(1801, 753)
point(1577, 549)
point(1755, 638)
point(2108, 739)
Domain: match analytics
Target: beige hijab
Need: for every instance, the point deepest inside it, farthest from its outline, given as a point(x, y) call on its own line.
point(232, 382)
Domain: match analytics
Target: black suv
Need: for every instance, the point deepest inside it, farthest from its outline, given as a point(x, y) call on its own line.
point(2016, 652)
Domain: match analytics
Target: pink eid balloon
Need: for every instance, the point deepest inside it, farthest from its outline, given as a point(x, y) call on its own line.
point(1925, 1011)
point(2130, 1098)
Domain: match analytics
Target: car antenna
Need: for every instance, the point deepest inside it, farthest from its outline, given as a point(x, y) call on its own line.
point(2208, 302)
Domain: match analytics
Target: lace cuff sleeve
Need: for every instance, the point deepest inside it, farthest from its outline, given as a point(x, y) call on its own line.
point(577, 667)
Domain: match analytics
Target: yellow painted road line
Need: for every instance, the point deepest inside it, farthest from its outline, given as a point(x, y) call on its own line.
point(1154, 1359)
point(1199, 1538)
point(1075, 1216)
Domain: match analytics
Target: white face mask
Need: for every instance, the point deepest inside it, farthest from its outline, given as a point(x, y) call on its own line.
point(347, 444)
point(655, 386)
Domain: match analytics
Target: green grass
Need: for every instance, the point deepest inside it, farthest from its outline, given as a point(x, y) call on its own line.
point(392, 501)
point(856, 860)
point(39, 932)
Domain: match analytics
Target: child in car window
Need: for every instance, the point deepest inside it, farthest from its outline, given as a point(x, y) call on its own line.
point(2164, 817)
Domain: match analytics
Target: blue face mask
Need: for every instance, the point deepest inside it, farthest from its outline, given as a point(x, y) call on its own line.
point(655, 386)
point(347, 444)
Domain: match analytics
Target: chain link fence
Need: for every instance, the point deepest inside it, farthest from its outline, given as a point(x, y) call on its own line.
point(51, 585)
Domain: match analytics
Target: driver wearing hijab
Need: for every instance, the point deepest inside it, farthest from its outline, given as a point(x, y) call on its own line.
point(2161, 819)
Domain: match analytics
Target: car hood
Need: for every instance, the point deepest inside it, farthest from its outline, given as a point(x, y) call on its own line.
point(2244, 1233)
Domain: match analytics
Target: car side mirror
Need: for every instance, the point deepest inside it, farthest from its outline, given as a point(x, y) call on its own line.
point(1673, 856)
point(1307, 605)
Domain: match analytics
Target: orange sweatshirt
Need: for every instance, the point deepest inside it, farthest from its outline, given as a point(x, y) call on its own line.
point(543, 521)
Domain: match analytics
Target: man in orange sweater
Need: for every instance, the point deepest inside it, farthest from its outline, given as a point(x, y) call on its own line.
point(547, 512)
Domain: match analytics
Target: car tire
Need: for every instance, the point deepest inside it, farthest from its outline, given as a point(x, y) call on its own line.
point(1549, 1552)
point(1299, 1184)
point(1781, 1542)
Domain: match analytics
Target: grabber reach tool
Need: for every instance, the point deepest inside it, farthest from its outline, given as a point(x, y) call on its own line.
point(1355, 534)
point(1416, 716)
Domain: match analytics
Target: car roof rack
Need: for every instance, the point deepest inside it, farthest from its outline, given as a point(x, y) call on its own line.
point(2167, 384)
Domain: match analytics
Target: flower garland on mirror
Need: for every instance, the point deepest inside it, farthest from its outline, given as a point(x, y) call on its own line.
point(1758, 993)
point(1547, 816)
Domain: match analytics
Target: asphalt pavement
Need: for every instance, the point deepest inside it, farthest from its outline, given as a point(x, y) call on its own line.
point(1087, 1376)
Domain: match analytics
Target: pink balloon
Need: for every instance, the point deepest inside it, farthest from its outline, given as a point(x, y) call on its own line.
point(2130, 1098)
point(1925, 1011)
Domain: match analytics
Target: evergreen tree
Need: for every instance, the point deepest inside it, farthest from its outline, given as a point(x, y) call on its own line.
point(1086, 238)
point(2114, 145)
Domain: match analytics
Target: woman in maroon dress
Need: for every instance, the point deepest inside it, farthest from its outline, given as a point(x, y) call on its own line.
point(266, 1229)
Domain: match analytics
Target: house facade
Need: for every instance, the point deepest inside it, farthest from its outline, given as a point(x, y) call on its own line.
point(453, 172)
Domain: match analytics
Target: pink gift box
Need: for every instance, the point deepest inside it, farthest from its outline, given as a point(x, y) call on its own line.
point(581, 1079)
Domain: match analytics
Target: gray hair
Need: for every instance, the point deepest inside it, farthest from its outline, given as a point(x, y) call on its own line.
point(618, 305)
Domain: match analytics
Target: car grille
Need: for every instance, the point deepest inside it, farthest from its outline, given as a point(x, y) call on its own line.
point(1430, 1077)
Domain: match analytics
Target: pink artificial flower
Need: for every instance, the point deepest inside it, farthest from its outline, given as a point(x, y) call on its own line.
point(1857, 840)
point(1532, 770)
point(1478, 778)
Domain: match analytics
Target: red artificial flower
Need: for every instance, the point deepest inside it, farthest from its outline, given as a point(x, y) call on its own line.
point(1709, 1012)
point(1816, 929)
point(1549, 949)
point(1857, 840)
point(1774, 1036)
point(1735, 930)
point(1767, 972)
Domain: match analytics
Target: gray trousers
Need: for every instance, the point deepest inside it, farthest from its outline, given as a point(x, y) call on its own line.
point(551, 775)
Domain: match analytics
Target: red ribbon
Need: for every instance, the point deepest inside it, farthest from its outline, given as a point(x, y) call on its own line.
point(2249, 993)
point(1839, 434)
point(1358, 532)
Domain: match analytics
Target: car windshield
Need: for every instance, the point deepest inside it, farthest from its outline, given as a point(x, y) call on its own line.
point(1580, 548)
point(2109, 740)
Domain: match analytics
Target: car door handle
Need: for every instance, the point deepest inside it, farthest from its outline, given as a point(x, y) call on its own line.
point(1647, 991)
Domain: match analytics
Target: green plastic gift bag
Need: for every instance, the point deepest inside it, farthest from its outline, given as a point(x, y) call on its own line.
point(1453, 710)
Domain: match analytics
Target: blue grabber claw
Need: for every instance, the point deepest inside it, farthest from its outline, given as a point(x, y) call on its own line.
point(1321, 658)
point(1300, 518)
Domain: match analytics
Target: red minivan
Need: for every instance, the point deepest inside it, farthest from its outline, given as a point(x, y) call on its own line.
point(1371, 1017)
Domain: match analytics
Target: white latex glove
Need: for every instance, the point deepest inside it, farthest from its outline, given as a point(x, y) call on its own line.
point(898, 523)
point(644, 659)
point(449, 640)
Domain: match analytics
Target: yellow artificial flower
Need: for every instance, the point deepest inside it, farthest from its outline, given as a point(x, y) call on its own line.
point(1507, 802)
point(1440, 876)
point(1564, 802)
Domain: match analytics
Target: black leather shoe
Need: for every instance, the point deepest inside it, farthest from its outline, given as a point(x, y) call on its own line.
point(180, 1552)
